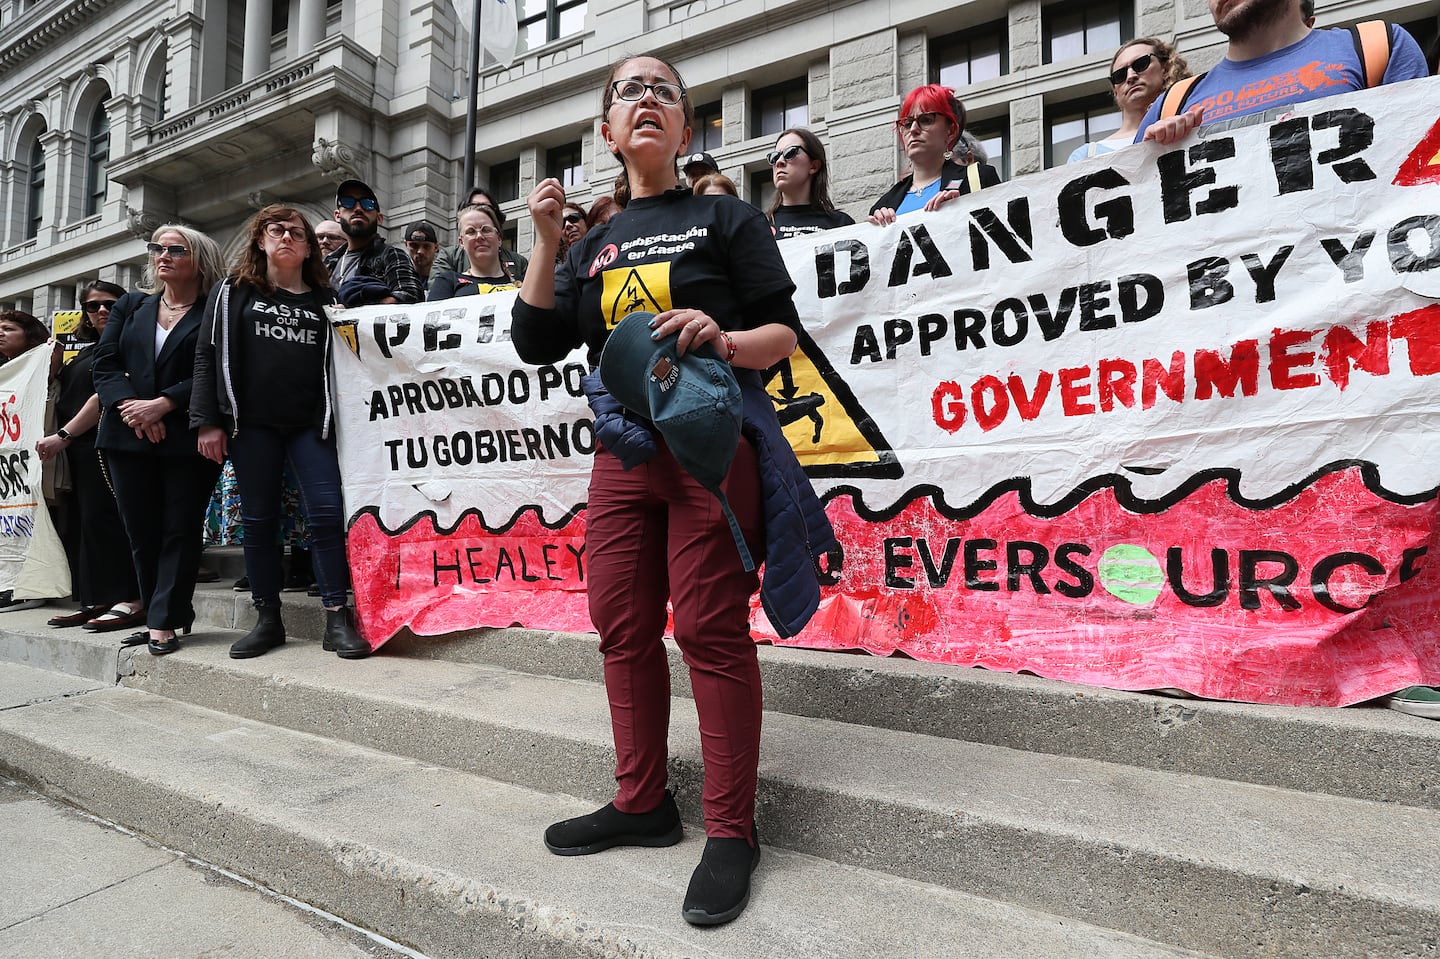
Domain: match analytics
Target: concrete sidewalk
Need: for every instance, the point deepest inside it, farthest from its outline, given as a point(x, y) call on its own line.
point(73, 886)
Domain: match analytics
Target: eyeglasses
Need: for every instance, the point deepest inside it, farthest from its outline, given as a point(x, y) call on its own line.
point(489, 232)
point(573, 218)
point(367, 203)
point(95, 306)
point(277, 230)
point(667, 93)
point(925, 120)
point(788, 154)
point(1140, 64)
point(175, 250)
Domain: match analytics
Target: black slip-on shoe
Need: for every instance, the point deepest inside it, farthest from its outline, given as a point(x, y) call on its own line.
point(608, 827)
point(720, 886)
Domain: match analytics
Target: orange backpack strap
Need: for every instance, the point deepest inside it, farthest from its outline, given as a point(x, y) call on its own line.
point(1176, 96)
point(1372, 46)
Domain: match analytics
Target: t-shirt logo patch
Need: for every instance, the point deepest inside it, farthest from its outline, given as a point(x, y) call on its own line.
point(604, 258)
point(628, 289)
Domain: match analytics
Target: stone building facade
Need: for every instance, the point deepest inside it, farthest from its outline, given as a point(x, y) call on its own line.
point(119, 115)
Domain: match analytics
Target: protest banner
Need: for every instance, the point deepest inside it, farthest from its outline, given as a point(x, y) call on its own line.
point(32, 561)
point(1164, 418)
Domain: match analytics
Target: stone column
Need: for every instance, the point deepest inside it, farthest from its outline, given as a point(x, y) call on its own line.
point(311, 27)
point(1027, 135)
point(257, 39)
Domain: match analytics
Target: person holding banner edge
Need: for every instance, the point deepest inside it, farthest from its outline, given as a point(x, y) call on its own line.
point(264, 347)
point(652, 531)
point(144, 366)
point(930, 124)
point(1269, 40)
point(1139, 72)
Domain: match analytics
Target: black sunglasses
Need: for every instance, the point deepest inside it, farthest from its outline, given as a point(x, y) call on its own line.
point(573, 217)
point(95, 306)
point(175, 250)
point(788, 154)
point(1140, 64)
point(366, 203)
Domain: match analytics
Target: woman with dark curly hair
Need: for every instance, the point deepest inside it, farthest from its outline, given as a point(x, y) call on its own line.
point(263, 364)
point(1140, 71)
point(95, 535)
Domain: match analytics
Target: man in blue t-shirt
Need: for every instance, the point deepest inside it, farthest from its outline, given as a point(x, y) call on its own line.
point(1274, 58)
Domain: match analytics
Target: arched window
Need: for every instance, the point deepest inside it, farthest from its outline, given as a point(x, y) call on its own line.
point(96, 158)
point(153, 87)
point(35, 202)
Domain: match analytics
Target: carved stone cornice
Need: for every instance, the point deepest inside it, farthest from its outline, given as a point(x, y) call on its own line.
point(31, 38)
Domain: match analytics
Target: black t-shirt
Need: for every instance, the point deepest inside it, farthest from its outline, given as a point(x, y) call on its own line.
point(447, 284)
point(673, 251)
point(280, 341)
point(77, 385)
point(799, 220)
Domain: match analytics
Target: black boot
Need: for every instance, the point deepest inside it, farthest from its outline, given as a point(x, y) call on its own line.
point(268, 633)
point(340, 635)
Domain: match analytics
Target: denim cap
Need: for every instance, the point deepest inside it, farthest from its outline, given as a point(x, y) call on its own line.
point(693, 400)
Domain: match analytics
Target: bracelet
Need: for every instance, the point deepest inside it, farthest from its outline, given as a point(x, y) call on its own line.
point(729, 346)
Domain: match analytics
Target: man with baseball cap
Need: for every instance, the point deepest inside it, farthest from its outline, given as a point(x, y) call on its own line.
point(366, 270)
point(697, 165)
point(423, 243)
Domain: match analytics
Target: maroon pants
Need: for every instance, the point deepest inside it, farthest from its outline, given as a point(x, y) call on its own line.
point(651, 534)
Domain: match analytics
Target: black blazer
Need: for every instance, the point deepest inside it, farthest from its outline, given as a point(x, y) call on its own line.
point(126, 367)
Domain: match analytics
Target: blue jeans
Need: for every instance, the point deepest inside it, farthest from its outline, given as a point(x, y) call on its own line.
point(259, 454)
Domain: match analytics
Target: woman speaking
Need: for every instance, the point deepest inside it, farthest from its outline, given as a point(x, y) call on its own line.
point(714, 278)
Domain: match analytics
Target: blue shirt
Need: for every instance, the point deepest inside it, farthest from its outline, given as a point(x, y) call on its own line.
point(1321, 65)
point(915, 201)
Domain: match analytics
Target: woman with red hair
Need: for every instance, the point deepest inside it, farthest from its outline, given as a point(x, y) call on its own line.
point(930, 124)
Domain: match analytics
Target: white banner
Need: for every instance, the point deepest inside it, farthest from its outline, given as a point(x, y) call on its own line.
point(32, 561)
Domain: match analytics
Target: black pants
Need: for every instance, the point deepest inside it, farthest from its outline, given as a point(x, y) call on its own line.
point(162, 500)
point(104, 573)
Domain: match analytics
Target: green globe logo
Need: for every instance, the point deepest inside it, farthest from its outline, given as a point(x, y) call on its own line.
point(1131, 573)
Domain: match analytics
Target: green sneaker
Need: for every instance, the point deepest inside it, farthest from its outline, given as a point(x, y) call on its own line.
point(1421, 701)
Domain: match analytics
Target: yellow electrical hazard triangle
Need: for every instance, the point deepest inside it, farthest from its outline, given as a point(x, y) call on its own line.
point(830, 431)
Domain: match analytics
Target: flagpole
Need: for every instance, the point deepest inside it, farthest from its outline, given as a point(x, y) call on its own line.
point(469, 180)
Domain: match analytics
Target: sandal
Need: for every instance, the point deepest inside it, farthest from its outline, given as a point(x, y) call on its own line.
point(119, 616)
point(85, 614)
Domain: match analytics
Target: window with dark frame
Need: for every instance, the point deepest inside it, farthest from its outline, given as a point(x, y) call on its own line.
point(994, 136)
point(780, 107)
point(1070, 125)
point(96, 158)
point(970, 56)
point(542, 21)
point(762, 189)
point(709, 128)
point(505, 181)
point(1075, 29)
point(35, 205)
point(564, 164)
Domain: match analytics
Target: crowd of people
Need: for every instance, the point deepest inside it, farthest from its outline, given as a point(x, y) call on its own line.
point(152, 411)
